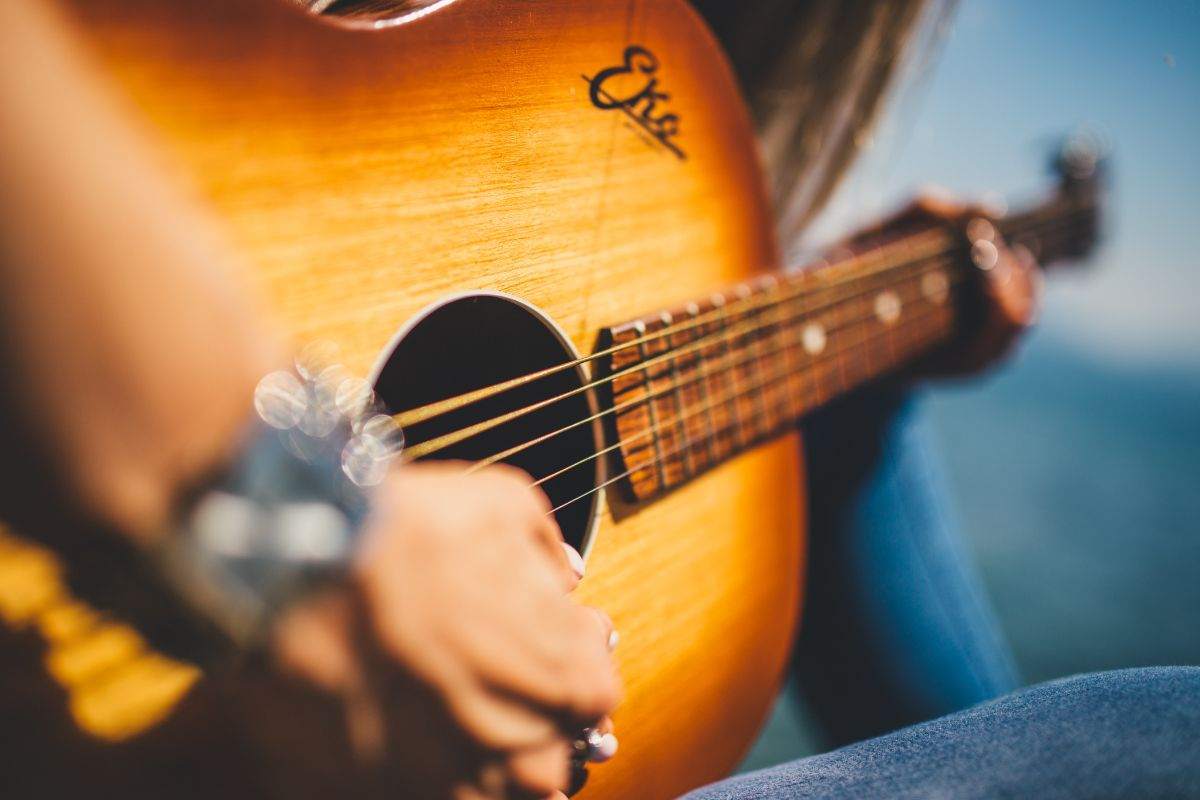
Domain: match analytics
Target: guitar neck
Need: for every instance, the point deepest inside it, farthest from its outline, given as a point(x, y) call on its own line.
point(692, 387)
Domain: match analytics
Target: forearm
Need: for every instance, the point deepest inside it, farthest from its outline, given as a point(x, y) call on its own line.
point(133, 351)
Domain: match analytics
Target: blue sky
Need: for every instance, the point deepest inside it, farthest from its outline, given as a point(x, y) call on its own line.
point(1013, 76)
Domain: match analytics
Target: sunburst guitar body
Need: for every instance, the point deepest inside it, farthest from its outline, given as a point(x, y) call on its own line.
point(461, 192)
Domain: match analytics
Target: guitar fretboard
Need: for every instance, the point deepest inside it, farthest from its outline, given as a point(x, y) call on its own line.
point(692, 387)
point(695, 386)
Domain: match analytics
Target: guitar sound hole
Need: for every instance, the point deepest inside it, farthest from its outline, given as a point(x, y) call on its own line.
point(481, 340)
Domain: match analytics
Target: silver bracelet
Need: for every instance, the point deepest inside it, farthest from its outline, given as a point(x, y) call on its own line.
point(283, 518)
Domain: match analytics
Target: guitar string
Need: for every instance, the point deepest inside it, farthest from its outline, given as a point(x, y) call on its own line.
point(742, 328)
point(750, 326)
point(732, 306)
point(686, 444)
point(722, 367)
point(676, 385)
point(690, 412)
point(797, 277)
point(446, 405)
point(710, 405)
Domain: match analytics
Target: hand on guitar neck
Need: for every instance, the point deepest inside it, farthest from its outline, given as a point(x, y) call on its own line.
point(1010, 290)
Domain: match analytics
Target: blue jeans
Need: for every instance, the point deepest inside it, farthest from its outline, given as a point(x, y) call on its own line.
point(897, 630)
point(1132, 734)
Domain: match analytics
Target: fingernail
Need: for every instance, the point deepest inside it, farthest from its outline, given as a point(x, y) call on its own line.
point(984, 254)
point(605, 747)
point(574, 559)
point(613, 639)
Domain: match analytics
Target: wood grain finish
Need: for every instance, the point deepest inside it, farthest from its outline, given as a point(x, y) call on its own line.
point(365, 174)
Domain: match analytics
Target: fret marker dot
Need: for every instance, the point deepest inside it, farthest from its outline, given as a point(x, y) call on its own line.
point(984, 254)
point(935, 286)
point(813, 338)
point(887, 307)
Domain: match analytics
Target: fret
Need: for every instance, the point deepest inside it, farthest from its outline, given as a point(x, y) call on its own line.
point(866, 325)
point(716, 385)
point(684, 447)
point(651, 405)
point(707, 419)
point(890, 306)
point(778, 337)
point(929, 291)
point(791, 328)
point(700, 422)
point(640, 447)
point(844, 340)
point(930, 305)
point(905, 334)
point(874, 310)
point(747, 365)
point(889, 339)
point(814, 346)
point(826, 370)
point(835, 321)
point(732, 390)
point(931, 294)
point(801, 358)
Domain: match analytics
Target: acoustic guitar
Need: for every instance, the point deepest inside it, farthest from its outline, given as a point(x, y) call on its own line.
point(473, 198)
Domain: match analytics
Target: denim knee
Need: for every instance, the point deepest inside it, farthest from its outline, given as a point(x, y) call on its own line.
point(1131, 733)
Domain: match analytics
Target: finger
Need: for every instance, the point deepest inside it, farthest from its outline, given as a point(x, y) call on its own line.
point(567, 561)
point(939, 202)
point(315, 640)
point(607, 629)
point(1033, 277)
point(498, 721)
point(995, 339)
point(1010, 290)
point(597, 688)
point(560, 667)
point(536, 514)
point(541, 771)
point(575, 562)
point(563, 667)
point(1037, 285)
point(529, 507)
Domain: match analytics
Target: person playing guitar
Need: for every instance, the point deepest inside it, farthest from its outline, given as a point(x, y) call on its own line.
point(447, 657)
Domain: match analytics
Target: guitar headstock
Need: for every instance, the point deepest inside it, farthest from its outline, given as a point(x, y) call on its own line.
point(1066, 226)
point(1081, 166)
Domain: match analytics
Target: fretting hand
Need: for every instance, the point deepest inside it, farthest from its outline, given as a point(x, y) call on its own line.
point(1011, 289)
point(1011, 292)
